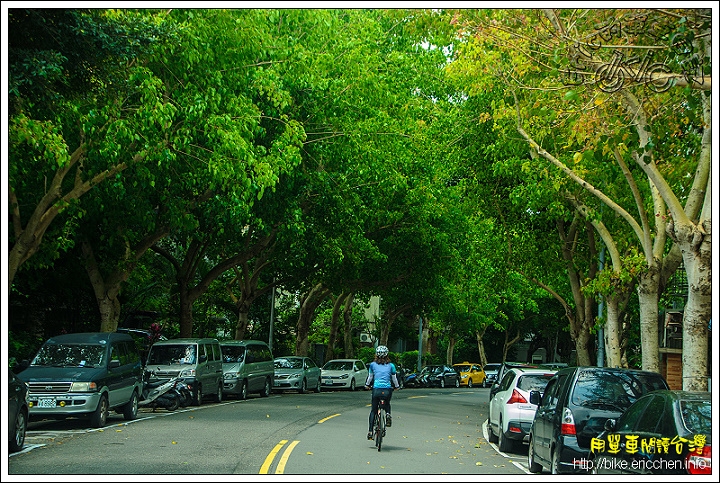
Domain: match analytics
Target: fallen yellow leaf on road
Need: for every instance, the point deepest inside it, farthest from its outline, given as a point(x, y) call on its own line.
point(174, 442)
point(477, 463)
point(308, 453)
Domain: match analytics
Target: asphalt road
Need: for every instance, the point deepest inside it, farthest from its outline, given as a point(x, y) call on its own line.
point(434, 432)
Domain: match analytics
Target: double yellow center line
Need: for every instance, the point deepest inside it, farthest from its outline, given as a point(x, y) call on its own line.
point(286, 454)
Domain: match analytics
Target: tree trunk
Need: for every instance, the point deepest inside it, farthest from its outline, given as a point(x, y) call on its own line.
point(242, 322)
point(450, 350)
point(612, 333)
point(107, 288)
point(648, 289)
point(334, 326)
point(347, 317)
point(696, 248)
point(479, 334)
point(309, 303)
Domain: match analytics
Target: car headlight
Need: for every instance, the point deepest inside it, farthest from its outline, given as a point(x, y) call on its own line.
point(464, 376)
point(344, 376)
point(187, 373)
point(83, 387)
point(230, 375)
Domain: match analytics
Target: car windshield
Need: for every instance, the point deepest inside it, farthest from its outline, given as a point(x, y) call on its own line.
point(463, 367)
point(72, 355)
point(338, 366)
point(697, 416)
point(233, 353)
point(491, 367)
point(172, 354)
point(288, 363)
point(533, 382)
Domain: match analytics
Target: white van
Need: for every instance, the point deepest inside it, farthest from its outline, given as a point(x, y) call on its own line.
point(197, 361)
point(248, 367)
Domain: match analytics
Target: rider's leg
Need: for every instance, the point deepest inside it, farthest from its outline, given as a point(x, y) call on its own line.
point(388, 417)
point(371, 418)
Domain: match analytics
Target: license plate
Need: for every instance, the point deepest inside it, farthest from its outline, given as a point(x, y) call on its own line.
point(45, 402)
point(328, 382)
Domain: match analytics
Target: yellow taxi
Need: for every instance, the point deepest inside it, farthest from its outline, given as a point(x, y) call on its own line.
point(471, 374)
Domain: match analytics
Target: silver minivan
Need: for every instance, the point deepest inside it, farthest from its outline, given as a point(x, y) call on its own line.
point(197, 361)
point(248, 367)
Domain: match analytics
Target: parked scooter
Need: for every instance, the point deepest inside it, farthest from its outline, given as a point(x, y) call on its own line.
point(161, 393)
point(411, 380)
point(185, 396)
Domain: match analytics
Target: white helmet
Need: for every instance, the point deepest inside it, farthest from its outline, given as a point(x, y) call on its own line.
point(381, 351)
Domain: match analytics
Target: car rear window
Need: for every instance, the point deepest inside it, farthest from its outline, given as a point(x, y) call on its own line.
point(533, 382)
point(616, 390)
point(697, 416)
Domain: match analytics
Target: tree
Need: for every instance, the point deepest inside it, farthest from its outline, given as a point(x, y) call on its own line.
point(78, 98)
point(601, 91)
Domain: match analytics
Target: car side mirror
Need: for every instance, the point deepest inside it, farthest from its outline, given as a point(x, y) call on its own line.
point(114, 363)
point(202, 358)
point(535, 397)
point(610, 425)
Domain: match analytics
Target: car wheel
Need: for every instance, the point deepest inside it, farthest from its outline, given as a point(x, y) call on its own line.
point(532, 465)
point(491, 434)
point(555, 464)
point(219, 393)
point(243, 390)
point(352, 385)
point(504, 444)
point(198, 395)
point(266, 390)
point(303, 387)
point(318, 388)
point(17, 442)
point(470, 384)
point(130, 409)
point(99, 417)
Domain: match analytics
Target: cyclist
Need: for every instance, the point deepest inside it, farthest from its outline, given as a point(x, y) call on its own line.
point(382, 378)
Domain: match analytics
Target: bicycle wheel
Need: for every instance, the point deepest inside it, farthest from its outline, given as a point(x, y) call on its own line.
point(379, 428)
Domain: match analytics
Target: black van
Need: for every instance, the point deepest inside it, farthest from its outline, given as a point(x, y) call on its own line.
point(573, 409)
point(85, 374)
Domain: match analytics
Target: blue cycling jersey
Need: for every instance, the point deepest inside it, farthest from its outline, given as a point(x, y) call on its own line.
point(380, 375)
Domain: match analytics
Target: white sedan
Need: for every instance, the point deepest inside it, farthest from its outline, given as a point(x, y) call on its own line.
point(510, 414)
point(344, 374)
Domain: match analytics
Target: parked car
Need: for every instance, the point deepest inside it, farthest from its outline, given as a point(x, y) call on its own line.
point(297, 373)
point(510, 414)
point(248, 368)
point(344, 374)
point(85, 375)
point(439, 375)
point(18, 412)
point(471, 374)
point(504, 367)
point(491, 373)
point(198, 361)
point(664, 432)
point(573, 410)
